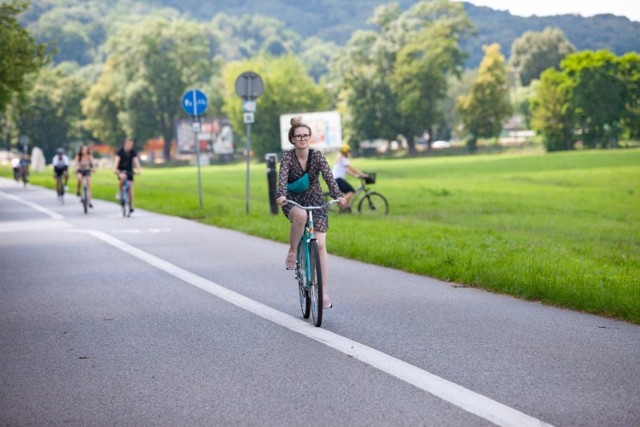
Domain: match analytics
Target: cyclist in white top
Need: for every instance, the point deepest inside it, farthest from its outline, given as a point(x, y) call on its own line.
point(60, 163)
point(341, 168)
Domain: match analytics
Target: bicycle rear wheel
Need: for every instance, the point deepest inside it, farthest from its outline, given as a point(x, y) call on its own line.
point(315, 284)
point(301, 268)
point(373, 204)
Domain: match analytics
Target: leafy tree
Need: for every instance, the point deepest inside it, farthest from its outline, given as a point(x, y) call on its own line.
point(20, 55)
point(598, 95)
point(594, 96)
point(551, 112)
point(420, 77)
point(287, 89)
point(150, 66)
point(630, 70)
point(9, 133)
point(50, 115)
point(392, 78)
point(363, 89)
point(101, 108)
point(534, 52)
point(483, 110)
point(447, 128)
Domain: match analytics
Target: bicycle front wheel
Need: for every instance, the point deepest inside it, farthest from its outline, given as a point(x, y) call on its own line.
point(332, 207)
point(60, 190)
point(373, 204)
point(301, 275)
point(85, 199)
point(123, 201)
point(315, 284)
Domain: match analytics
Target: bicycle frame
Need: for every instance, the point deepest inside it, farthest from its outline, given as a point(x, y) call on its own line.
point(85, 193)
point(362, 189)
point(303, 246)
point(125, 196)
point(125, 190)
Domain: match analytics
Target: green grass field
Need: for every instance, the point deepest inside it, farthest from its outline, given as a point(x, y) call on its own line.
point(563, 229)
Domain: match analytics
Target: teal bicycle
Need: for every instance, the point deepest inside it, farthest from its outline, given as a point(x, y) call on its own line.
point(308, 272)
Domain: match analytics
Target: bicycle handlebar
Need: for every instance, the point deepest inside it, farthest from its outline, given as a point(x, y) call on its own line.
point(311, 208)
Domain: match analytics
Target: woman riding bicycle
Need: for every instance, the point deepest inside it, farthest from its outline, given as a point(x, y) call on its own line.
point(84, 164)
point(341, 168)
point(295, 163)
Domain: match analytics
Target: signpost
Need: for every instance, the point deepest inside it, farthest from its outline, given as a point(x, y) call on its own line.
point(195, 103)
point(249, 87)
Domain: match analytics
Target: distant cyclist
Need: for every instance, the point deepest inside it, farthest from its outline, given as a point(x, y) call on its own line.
point(126, 162)
point(84, 164)
point(15, 165)
point(60, 164)
point(25, 162)
point(341, 168)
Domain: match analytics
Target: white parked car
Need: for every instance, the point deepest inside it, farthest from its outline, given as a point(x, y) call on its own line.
point(441, 144)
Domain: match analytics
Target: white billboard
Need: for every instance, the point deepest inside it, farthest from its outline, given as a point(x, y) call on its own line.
point(326, 130)
point(215, 135)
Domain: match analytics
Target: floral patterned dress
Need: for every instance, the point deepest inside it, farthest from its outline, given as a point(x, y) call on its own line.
point(291, 170)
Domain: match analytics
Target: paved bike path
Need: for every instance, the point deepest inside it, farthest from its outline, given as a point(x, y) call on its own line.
point(554, 365)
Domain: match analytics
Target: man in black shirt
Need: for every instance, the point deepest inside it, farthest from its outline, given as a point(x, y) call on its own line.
point(126, 163)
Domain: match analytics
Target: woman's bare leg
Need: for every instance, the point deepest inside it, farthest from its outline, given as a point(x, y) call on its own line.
point(298, 219)
point(324, 265)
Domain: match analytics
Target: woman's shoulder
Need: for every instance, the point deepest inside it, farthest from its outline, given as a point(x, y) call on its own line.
point(317, 154)
point(287, 154)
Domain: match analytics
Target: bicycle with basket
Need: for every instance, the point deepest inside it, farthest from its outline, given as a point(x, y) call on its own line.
point(368, 202)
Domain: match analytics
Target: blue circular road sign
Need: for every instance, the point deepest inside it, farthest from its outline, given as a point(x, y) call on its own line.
point(194, 102)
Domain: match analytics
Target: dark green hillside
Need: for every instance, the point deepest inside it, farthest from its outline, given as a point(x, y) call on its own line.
point(332, 20)
point(616, 33)
point(80, 26)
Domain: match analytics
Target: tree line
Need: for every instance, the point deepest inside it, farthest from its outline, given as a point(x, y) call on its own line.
point(402, 78)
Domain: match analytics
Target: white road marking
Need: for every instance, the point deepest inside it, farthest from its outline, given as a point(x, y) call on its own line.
point(49, 212)
point(140, 230)
point(32, 225)
point(453, 393)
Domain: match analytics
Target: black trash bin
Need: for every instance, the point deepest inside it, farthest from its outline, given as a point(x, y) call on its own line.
point(272, 180)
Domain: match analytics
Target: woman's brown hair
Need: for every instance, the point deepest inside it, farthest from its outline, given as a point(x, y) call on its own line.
point(296, 122)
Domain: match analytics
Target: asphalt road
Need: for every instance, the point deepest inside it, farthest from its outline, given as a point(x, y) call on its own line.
point(155, 320)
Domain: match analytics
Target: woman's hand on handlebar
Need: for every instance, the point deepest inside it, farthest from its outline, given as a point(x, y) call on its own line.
point(281, 201)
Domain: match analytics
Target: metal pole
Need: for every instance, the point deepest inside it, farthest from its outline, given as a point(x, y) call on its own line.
point(195, 129)
point(248, 156)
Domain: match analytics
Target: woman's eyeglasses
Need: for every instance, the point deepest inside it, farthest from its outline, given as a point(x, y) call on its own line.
point(302, 137)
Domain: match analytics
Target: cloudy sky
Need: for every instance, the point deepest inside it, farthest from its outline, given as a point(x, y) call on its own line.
point(628, 8)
